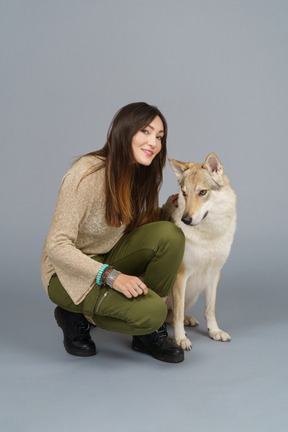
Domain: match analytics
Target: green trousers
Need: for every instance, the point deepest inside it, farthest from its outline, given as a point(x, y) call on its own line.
point(154, 250)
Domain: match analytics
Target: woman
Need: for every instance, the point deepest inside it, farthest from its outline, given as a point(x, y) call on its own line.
point(105, 234)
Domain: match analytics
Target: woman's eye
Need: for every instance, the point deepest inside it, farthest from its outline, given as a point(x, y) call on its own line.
point(203, 192)
point(144, 131)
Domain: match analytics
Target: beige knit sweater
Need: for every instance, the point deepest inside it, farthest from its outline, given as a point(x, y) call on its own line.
point(78, 231)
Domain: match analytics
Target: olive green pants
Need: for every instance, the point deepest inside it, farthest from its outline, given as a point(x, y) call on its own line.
point(154, 250)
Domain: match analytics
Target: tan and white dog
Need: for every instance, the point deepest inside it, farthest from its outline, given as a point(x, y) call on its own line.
point(206, 213)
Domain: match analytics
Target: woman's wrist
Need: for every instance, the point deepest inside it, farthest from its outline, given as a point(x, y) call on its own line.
point(108, 276)
point(111, 276)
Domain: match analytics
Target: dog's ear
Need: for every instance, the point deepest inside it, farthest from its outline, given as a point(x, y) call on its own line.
point(213, 165)
point(178, 167)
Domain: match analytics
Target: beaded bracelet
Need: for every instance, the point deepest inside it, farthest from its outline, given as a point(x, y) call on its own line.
point(105, 274)
point(109, 275)
point(102, 269)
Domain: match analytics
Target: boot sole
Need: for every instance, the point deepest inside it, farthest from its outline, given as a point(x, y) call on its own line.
point(67, 348)
point(168, 359)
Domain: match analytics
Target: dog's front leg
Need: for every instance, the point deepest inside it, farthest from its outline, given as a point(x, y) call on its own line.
point(178, 296)
point(210, 303)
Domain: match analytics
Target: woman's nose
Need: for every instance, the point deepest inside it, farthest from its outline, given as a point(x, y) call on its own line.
point(152, 140)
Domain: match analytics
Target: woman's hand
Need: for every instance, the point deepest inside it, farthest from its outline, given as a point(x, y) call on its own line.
point(130, 286)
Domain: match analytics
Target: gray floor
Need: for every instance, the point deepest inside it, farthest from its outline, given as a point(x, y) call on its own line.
point(239, 386)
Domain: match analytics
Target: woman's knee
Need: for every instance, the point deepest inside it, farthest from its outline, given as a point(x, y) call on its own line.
point(170, 233)
point(162, 233)
point(169, 242)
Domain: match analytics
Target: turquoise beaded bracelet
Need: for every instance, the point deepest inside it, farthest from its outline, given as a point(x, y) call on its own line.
point(99, 275)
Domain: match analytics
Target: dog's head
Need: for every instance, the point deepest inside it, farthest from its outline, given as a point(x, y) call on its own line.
point(198, 183)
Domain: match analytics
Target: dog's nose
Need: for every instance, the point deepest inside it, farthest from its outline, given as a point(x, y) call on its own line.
point(187, 219)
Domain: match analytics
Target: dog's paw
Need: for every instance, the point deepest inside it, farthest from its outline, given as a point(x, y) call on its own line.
point(190, 321)
point(184, 343)
point(220, 335)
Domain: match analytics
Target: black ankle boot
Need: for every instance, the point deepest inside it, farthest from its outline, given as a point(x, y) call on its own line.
point(159, 346)
point(76, 329)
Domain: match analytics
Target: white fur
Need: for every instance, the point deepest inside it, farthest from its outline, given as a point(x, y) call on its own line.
point(207, 247)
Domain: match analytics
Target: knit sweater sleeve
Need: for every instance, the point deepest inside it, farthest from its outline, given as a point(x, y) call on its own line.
point(76, 271)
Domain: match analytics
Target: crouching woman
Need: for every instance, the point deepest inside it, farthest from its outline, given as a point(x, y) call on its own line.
point(105, 234)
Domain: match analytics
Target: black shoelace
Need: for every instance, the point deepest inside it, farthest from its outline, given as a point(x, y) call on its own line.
point(84, 328)
point(162, 332)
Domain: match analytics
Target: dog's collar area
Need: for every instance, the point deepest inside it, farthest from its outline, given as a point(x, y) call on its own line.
point(205, 215)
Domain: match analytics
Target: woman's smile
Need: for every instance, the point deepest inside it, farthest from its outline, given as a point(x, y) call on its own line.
point(149, 153)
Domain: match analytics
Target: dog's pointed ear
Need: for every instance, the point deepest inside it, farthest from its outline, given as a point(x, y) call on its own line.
point(213, 165)
point(178, 167)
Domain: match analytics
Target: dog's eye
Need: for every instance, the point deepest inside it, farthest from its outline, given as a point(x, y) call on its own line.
point(203, 192)
point(184, 193)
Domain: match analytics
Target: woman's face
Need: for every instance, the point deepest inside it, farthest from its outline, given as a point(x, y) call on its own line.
point(147, 142)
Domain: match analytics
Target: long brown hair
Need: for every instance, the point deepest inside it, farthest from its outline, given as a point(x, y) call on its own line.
point(131, 189)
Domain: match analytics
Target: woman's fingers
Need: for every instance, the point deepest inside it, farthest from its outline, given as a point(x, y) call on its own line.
point(130, 286)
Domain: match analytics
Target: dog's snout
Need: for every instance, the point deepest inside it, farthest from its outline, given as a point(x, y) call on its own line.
point(187, 219)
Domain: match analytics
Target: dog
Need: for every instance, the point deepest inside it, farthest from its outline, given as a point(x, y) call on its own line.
point(206, 213)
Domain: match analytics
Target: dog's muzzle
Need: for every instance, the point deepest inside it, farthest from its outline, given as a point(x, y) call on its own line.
point(188, 220)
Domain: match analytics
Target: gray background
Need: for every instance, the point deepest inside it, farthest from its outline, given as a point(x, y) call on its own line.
point(218, 70)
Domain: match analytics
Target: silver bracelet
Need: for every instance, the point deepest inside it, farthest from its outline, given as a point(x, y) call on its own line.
point(110, 278)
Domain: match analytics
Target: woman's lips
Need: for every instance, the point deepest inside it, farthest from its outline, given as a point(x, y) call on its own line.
point(148, 152)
